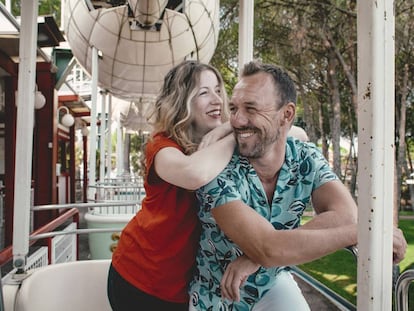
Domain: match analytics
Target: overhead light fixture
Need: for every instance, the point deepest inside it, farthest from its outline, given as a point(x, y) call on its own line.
point(67, 119)
point(40, 99)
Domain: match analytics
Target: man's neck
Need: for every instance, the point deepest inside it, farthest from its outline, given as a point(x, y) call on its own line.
point(267, 168)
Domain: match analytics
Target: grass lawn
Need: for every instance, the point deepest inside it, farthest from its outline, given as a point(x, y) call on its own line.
point(338, 271)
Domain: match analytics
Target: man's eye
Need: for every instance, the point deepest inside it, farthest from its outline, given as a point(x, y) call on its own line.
point(251, 110)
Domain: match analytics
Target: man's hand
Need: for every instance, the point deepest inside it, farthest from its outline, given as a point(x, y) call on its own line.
point(235, 275)
point(399, 245)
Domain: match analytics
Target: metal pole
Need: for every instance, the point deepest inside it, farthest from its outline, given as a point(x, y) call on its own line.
point(102, 131)
point(375, 153)
point(246, 30)
point(109, 138)
point(24, 132)
point(119, 149)
point(92, 136)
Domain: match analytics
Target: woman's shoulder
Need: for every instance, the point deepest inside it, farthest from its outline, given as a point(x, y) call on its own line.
point(161, 140)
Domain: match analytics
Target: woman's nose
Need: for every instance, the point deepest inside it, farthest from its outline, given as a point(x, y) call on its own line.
point(217, 99)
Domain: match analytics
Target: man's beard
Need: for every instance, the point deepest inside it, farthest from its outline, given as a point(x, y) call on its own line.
point(263, 141)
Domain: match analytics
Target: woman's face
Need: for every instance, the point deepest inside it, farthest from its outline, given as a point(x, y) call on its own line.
point(207, 104)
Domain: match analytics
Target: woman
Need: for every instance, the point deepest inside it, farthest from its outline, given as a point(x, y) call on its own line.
point(154, 260)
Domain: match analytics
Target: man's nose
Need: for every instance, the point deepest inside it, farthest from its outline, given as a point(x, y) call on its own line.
point(239, 118)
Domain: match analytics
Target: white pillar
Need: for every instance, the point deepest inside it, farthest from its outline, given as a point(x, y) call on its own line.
point(24, 131)
point(246, 18)
point(109, 138)
point(102, 140)
point(119, 150)
point(375, 153)
point(8, 6)
point(62, 14)
point(92, 136)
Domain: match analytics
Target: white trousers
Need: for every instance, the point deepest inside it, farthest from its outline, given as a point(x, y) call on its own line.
point(285, 295)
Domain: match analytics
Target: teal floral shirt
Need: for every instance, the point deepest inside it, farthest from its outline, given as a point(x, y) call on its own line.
point(304, 170)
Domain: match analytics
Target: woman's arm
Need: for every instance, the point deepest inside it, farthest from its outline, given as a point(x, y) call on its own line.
point(195, 170)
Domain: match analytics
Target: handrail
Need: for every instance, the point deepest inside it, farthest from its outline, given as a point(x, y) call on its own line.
point(401, 289)
point(47, 230)
point(82, 205)
point(7, 253)
point(77, 231)
point(323, 289)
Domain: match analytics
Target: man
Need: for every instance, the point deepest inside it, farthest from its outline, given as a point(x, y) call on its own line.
point(241, 263)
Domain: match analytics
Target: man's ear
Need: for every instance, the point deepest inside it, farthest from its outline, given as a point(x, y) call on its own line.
point(289, 112)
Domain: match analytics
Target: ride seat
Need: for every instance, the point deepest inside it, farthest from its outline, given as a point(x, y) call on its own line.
point(78, 285)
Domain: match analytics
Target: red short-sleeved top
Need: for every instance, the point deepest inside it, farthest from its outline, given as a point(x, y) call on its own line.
point(157, 249)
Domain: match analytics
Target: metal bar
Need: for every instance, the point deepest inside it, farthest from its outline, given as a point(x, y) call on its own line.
point(7, 253)
point(375, 27)
point(102, 131)
point(77, 231)
point(82, 205)
point(401, 289)
point(24, 132)
point(246, 17)
point(93, 126)
point(324, 290)
point(109, 138)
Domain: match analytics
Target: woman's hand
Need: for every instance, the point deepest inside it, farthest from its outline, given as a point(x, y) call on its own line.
point(235, 275)
point(215, 134)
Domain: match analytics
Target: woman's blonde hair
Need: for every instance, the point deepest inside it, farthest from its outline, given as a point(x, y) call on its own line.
point(172, 110)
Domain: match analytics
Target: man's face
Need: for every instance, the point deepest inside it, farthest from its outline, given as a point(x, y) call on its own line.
point(254, 115)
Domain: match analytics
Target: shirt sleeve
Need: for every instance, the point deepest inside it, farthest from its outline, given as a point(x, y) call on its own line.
point(323, 171)
point(223, 189)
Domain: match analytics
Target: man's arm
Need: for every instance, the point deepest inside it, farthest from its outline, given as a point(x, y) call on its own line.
point(268, 247)
point(334, 206)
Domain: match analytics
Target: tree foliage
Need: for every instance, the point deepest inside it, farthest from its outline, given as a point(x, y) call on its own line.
point(316, 42)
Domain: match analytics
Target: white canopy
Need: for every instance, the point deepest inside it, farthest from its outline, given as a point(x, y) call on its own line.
point(134, 57)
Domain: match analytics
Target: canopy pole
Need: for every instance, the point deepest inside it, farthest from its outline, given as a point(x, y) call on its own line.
point(93, 126)
point(24, 132)
point(102, 131)
point(375, 153)
point(246, 30)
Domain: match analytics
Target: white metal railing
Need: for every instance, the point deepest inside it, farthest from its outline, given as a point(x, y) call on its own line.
point(79, 206)
point(117, 190)
point(401, 289)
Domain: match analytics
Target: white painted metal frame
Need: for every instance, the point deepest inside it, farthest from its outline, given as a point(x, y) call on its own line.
point(102, 140)
point(93, 126)
point(246, 31)
point(376, 145)
point(24, 131)
point(375, 153)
